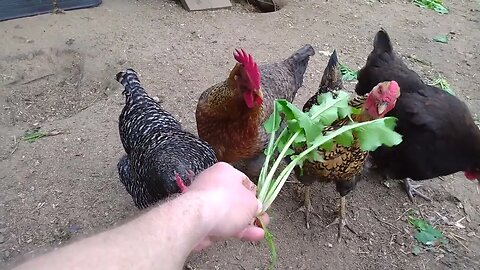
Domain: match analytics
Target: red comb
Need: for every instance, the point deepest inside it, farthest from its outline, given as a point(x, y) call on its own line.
point(250, 66)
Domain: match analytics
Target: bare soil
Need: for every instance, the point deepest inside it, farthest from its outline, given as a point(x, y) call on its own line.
point(57, 72)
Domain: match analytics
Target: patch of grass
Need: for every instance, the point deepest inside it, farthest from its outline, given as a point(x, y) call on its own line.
point(348, 74)
point(436, 5)
point(35, 134)
point(442, 83)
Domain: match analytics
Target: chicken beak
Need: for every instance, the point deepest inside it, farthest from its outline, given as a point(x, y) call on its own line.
point(259, 93)
point(381, 107)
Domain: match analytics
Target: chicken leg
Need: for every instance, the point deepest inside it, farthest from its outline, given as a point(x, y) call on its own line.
point(307, 207)
point(412, 191)
point(341, 220)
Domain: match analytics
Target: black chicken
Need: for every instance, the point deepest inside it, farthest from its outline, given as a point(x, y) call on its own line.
point(161, 158)
point(439, 133)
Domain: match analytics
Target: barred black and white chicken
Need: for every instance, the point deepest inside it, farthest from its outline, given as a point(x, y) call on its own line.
point(161, 158)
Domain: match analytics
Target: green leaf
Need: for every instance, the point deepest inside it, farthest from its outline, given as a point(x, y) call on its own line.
point(330, 109)
point(425, 234)
point(356, 111)
point(441, 38)
point(327, 116)
point(436, 5)
point(345, 139)
point(300, 138)
point(419, 224)
point(311, 156)
point(296, 119)
point(314, 156)
point(293, 125)
point(379, 132)
point(291, 111)
point(345, 111)
point(328, 145)
point(273, 122)
point(282, 141)
point(348, 74)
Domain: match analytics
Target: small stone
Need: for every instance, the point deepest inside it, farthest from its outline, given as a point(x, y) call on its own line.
point(471, 234)
point(70, 41)
point(2, 239)
point(329, 245)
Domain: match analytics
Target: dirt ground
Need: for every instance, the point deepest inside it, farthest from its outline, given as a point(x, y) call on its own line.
point(57, 73)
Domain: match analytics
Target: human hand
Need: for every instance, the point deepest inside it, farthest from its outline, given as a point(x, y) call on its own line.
point(230, 204)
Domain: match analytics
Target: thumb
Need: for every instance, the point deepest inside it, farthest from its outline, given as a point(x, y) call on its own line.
point(252, 233)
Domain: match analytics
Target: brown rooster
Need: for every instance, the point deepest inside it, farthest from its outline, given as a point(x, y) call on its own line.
point(343, 164)
point(231, 113)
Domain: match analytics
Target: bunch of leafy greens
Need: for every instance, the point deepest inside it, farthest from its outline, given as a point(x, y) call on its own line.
point(436, 5)
point(307, 130)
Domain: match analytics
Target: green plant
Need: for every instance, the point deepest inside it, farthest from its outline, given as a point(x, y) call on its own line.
point(307, 129)
point(436, 5)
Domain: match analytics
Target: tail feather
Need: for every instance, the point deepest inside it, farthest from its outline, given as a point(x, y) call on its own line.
point(299, 60)
point(129, 79)
point(382, 43)
point(331, 79)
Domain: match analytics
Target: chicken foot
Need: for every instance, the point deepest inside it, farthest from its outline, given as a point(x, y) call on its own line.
point(412, 190)
point(307, 207)
point(341, 220)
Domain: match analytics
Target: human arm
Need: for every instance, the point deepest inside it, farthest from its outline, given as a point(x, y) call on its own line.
point(217, 205)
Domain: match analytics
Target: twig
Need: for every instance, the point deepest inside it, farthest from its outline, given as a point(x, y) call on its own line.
point(388, 223)
point(391, 239)
point(15, 145)
point(39, 78)
point(458, 236)
point(403, 214)
point(381, 221)
point(454, 236)
point(79, 81)
point(14, 149)
point(421, 212)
